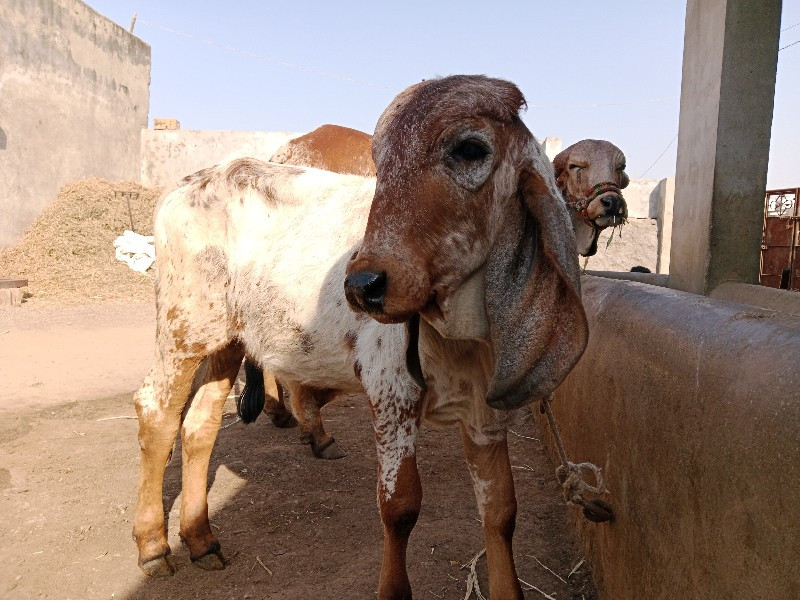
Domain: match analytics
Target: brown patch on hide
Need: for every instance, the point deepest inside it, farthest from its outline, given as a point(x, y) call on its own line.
point(332, 148)
point(357, 370)
point(249, 173)
point(178, 328)
point(350, 339)
point(305, 339)
point(199, 178)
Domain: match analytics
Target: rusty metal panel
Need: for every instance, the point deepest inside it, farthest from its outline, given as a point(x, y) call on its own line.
point(780, 244)
point(778, 231)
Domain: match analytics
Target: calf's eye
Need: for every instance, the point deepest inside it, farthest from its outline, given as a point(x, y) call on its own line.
point(470, 150)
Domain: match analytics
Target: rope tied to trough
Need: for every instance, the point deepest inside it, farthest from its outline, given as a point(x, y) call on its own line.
point(570, 474)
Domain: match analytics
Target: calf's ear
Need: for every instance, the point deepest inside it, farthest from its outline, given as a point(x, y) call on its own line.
point(537, 326)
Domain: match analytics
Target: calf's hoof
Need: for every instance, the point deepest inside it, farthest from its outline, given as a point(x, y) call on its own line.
point(158, 568)
point(329, 450)
point(213, 560)
point(283, 421)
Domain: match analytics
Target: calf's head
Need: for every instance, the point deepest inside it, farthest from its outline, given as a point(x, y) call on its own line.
point(591, 176)
point(464, 194)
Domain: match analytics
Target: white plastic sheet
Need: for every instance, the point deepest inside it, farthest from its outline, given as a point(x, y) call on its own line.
point(136, 250)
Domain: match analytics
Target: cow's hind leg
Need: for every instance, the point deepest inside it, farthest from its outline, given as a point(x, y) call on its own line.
point(275, 403)
point(490, 468)
point(159, 403)
point(198, 434)
point(306, 404)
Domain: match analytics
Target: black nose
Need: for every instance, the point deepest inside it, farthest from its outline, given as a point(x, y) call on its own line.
point(365, 290)
point(612, 204)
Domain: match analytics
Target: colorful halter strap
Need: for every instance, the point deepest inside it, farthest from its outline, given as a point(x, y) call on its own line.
point(581, 205)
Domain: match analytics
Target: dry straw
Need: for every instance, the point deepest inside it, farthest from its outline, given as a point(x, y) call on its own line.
point(67, 254)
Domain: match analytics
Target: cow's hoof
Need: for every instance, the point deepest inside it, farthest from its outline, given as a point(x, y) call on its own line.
point(213, 560)
point(330, 450)
point(158, 568)
point(283, 421)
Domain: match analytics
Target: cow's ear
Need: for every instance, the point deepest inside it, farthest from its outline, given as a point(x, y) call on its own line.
point(537, 326)
point(624, 180)
point(560, 169)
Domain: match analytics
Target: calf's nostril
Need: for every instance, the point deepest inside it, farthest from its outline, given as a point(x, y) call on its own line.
point(375, 290)
point(366, 289)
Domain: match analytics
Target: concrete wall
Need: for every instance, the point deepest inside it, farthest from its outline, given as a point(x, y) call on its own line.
point(642, 198)
point(74, 95)
point(169, 155)
point(692, 408)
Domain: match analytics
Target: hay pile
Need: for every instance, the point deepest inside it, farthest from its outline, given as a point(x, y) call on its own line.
point(67, 254)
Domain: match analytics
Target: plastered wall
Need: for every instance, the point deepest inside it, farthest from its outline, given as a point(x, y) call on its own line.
point(692, 408)
point(74, 95)
point(169, 155)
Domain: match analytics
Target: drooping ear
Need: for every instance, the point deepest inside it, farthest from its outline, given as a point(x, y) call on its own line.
point(624, 180)
point(560, 168)
point(537, 326)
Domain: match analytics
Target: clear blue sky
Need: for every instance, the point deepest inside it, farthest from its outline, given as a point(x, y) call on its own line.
point(589, 69)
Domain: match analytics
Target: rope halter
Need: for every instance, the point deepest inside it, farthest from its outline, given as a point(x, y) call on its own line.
point(581, 205)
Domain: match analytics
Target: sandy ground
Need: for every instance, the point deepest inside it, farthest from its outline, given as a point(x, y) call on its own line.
point(292, 526)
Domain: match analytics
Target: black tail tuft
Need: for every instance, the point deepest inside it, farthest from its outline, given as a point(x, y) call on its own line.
point(250, 402)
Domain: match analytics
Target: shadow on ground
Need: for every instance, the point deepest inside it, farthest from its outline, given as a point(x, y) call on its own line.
point(292, 526)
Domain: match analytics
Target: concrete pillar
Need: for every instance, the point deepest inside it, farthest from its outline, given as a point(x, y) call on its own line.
point(666, 200)
point(727, 92)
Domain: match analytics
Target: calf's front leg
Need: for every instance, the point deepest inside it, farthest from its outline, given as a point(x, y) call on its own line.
point(490, 469)
point(399, 490)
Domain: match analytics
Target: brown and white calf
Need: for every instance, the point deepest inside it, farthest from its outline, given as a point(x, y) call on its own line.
point(591, 177)
point(467, 231)
point(340, 150)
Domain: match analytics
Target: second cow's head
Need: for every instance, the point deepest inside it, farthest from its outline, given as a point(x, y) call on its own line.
point(464, 194)
point(591, 176)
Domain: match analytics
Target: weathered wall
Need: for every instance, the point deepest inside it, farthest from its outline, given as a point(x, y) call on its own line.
point(169, 155)
point(74, 95)
point(642, 198)
point(692, 408)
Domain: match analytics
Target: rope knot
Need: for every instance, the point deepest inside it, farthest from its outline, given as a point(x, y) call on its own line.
point(573, 484)
point(570, 475)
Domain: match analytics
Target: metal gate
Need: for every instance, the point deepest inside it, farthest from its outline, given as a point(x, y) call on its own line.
point(780, 241)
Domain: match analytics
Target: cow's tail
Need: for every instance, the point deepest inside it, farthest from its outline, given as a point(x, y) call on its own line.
point(250, 402)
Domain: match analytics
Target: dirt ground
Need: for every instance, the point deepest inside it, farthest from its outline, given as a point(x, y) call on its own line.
point(292, 527)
